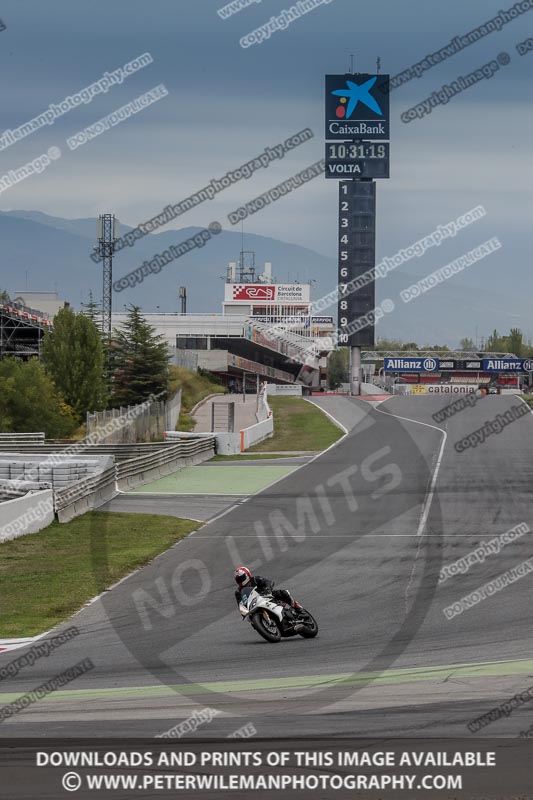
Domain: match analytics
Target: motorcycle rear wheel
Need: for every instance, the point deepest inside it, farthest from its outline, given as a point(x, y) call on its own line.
point(267, 628)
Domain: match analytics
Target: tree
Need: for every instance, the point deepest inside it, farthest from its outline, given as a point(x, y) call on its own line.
point(4, 297)
point(467, 344)
point(29, 401)
point(338, 367)
point(514, 342)
point(139, 361)
point(393, 344)
point(73, 355)
point(93, 310)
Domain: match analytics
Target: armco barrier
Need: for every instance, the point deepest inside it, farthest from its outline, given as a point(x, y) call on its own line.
point(85, 495)
point(17, 438)
point(95, 491)
point(144, 469)
point(28, 514)
point(227, 444)
point(59, 450)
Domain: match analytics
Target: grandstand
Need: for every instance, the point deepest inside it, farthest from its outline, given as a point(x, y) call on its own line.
point(448, 369)
point(22, 330)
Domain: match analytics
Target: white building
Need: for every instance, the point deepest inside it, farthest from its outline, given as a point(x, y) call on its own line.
point(266, 331)
point(47, 302)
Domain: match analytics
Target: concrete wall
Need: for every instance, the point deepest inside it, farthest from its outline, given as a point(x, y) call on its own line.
point(256, 433)
point(284, 389)
point(27, 514)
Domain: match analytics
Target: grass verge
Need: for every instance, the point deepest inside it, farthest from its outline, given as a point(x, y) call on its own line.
point(47, 576)
point(298, 425)
point(194, 387)
point(249, 457)
point(529, 399)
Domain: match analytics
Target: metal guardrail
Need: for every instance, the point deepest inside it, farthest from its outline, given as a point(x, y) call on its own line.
point(183, 449)
point(8, 438)
point(63, 498)
point(71, 449)
point(106, 483)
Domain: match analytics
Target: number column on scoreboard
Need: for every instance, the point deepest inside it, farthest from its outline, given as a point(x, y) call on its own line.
point(357, 249)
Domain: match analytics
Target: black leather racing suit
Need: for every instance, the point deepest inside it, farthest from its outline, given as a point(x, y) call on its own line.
point(265, 586)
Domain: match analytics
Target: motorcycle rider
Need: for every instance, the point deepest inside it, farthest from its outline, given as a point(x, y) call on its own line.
point(245, 579)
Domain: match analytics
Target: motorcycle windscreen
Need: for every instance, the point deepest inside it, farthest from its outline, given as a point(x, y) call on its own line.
point(246, 591)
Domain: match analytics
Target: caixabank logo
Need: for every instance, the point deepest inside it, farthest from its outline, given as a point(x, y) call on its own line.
point(356, 108)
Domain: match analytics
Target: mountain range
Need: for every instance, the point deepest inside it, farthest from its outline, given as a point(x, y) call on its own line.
point(46, 253)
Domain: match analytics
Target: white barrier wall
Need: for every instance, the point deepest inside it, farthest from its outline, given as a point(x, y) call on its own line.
point(284, 389)
point(256, 433)
point(27, 514)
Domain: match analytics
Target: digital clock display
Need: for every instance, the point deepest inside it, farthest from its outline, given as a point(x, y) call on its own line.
point(357, 160)
point(352, 151)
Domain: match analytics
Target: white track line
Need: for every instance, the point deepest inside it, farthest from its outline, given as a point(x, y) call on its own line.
point(296, 468)
point(192, 533)
point(429, 497)
point(332, 418)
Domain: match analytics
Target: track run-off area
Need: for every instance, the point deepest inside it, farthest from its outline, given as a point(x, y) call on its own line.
point(365, 536)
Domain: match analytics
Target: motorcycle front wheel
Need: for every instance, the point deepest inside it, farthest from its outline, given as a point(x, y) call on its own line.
point(266, 626)
point(310, 629)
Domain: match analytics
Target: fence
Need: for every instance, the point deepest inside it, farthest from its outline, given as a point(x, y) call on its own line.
point(146, 422)
point(184, 358)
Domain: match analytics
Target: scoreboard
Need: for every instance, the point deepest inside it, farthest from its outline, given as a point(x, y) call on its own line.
point(357, 249)
point(357, 124)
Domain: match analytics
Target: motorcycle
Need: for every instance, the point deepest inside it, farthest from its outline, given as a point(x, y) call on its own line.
point(274, 620)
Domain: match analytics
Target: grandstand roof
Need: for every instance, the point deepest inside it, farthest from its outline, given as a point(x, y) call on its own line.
point(460, 355)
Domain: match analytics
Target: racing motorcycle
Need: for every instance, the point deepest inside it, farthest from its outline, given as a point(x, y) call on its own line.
point(273, 620)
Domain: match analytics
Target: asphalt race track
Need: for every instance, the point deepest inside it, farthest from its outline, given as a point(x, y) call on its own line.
point(359, 535)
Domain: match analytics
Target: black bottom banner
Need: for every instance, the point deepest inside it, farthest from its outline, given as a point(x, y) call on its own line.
point(307, 768)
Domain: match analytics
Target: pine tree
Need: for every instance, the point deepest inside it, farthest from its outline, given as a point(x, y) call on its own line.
point(73, 355)
point(139, 361)
point(93, 310)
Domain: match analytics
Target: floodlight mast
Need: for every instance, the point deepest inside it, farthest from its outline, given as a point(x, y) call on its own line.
point(107, 236)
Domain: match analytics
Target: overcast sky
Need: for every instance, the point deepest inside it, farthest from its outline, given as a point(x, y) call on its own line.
point(226, 103)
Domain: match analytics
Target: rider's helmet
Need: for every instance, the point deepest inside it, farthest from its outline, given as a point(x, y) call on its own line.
point(243, 576)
